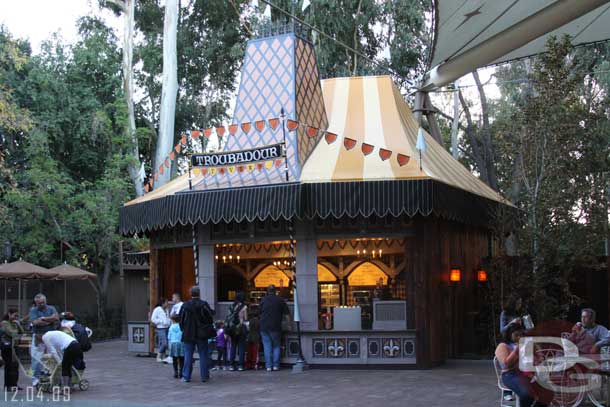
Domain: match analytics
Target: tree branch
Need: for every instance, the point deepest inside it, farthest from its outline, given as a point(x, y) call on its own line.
point(119, 3)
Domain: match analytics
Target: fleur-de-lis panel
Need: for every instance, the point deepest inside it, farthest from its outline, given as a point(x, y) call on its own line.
point(335, 347)
point(392, 347)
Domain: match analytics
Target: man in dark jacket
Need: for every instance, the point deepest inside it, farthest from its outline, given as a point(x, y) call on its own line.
point(272, 309)
point(194, 315)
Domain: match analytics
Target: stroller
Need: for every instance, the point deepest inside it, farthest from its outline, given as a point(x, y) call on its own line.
point(50, 370)
point(50, 375)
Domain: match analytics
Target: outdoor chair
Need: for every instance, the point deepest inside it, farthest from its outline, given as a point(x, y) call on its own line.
point(502, 387)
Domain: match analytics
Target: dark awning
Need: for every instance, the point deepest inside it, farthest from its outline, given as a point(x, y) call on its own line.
point(308, 201)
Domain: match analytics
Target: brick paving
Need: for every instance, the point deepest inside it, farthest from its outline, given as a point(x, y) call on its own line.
point(120, 379)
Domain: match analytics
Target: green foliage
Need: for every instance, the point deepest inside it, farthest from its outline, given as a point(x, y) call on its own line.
point(553, 149)
point(68, 176)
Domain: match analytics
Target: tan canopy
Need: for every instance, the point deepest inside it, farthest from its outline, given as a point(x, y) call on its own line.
point(24, 270)
point(68, 272)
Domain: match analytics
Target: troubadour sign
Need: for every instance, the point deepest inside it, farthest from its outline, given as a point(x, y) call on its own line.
point(237, 157)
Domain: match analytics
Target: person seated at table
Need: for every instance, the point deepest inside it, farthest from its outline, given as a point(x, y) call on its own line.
point(600, 334)
point(507, 354)
point(583, 340)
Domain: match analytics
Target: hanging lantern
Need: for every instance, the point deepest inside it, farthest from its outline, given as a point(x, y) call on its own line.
point(455, 275)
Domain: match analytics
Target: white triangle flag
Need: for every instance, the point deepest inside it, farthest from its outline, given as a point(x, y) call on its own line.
point(255, 4)
point(267, 12)
point(306, 4)
point(420, 145)
point(421, 140)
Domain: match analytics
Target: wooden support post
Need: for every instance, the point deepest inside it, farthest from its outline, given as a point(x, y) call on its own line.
point(123, 293)
point(435, 130)
point(153, 289)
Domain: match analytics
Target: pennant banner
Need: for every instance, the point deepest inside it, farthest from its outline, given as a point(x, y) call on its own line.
point(263, 157)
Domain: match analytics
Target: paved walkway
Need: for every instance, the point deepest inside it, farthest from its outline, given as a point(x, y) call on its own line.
point(121, 379)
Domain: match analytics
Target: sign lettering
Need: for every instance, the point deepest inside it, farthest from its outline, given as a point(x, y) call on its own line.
point(237, 157)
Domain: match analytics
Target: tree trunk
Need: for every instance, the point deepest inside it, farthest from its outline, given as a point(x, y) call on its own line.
point(169, 91)
point(135, 168)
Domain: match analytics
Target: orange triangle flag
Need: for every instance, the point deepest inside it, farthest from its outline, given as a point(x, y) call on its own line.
point(183, 141)
point(273, 123)
point(220, 131)
point(233, 129)
point(402, 159)
point(312, 131)
point(330, 137)
point(260, 125)
point(207, 132)
point(195, 134)
point(246, 127)
point(172, 155)
point(349, 143)
point(384, 154)
point(292, 125)
point(367, 148)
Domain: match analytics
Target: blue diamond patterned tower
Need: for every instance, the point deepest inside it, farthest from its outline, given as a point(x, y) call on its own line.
point(278, 72)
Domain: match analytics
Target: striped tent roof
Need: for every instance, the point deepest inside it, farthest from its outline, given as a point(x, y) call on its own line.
point(371, 110)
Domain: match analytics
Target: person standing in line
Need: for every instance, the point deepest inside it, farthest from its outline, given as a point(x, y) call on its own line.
point(195, 322)
point(161, 322)
point(235, 327)
point(272, 309)
point(176, 348)
point(11, 331)
point(253, 338)
point(221, 346)
point(177, 304)
point(44, 318)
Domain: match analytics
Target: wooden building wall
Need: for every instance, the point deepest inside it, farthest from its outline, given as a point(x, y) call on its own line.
point(445, 312)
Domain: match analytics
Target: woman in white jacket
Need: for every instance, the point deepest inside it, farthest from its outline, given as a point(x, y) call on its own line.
point(161, 322)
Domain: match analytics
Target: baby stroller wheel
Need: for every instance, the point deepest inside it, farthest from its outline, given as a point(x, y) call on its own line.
point(83, 385)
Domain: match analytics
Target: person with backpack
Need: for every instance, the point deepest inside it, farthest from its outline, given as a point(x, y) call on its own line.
point(197, 325)
point(235, 327)
point(76, 330)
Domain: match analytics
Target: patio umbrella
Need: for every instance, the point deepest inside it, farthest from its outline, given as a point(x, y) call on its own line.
point(22, 270)
point(67, 272)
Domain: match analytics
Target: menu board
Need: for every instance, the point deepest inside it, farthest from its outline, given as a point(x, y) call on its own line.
point(271, 275)
point(367, 274)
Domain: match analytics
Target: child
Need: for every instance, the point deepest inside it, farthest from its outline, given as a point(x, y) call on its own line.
point(254, 338)
point(221, 346)
point(176, 350)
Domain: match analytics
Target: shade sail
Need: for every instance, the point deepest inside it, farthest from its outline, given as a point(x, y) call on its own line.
point(24, 270)
point(68, 272)
point(469, 34)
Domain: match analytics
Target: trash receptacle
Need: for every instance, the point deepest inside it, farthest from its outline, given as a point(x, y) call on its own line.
point(138, 336)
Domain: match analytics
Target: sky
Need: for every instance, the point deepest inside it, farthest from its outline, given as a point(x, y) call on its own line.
point(36, 20)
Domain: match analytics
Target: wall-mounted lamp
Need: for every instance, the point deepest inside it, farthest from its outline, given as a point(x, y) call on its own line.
point(455, 275)
point(481, 276)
